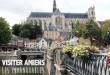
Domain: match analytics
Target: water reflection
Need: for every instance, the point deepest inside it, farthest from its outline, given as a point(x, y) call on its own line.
point(23, 70)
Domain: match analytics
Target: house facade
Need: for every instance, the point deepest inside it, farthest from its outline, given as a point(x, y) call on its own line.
point(51, 35)
point(42, 43)
point(30, 43)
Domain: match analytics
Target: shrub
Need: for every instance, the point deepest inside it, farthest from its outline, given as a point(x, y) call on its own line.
point(53, 48)
point(81, 51)
point(67, 49)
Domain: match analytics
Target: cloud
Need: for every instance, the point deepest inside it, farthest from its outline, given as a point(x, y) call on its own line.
point(11, 17)
point(17, 10)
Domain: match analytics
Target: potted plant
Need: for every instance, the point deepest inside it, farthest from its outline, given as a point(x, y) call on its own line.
point(68, 50)
point(80, 51)
point(93, 49)
point(54, 48)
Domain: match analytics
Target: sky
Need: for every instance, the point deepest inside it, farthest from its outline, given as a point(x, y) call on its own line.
point(16, 11)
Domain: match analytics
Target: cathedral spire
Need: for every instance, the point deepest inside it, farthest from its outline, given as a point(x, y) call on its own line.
point(54, 5)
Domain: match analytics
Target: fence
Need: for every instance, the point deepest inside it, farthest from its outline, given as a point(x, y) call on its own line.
point(96, 66)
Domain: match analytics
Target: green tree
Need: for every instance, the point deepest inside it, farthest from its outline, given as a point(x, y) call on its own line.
point(5, 32)
point(78, 29)
point(26, 30)
point(92, 31)
point(25, 33)
point(38, 31)
point(106, 33)
point(89, 30)
point(30, 31)
point(16, 29)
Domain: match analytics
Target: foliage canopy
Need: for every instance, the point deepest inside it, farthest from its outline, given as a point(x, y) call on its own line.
point(5, 32)
point(27, 30)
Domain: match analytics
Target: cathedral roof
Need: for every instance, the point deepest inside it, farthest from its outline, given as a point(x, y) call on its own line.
point(67, 15)
point(40, 14)
point(75, 15)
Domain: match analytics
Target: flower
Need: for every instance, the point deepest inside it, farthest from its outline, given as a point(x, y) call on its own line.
point(80, 51)
point(68, 48)
point(53, 48)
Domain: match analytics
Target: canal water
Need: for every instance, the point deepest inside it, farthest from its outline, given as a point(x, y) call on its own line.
point(23, 70)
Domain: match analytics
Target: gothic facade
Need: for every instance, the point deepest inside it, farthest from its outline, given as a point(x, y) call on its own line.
point(56, 23)
point(59, 21)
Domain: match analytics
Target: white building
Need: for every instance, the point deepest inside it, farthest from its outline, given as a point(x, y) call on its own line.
point(30, 43)
point(42, 43)
point(74, 41)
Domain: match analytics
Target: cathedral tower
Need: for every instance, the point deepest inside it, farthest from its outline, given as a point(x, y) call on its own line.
point(54, 6)
point(91, 13)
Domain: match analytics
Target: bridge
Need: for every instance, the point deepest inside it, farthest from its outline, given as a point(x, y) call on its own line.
point(8, 53)
point(22, 52)
point(32, 52)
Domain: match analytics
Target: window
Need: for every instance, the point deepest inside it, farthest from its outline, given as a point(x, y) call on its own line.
point(45, 27)
point(92, 13)
point(66, 25)
point(31, 21)
point(35, 22)
point(58, 22)
point(40, 22)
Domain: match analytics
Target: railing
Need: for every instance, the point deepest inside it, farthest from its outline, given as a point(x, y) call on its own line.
point(8, 53)
point(31, 52)
point(33, 49)
point(96, 66)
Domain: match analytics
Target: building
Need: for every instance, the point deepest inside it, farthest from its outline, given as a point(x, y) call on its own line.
point(59, 42)
point(74, 41)
point(66, 35)
point(17, 41)
point(59, 21)
point(42, 43)
point(100, 23)
point(51, 35)
point(56, 43)
point(20, 42)
point(23, 42)
point(30, 43)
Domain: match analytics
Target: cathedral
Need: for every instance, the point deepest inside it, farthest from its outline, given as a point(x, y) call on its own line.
point(59, 21)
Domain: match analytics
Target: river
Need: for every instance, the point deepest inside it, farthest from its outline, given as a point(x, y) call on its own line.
point(24, 69)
